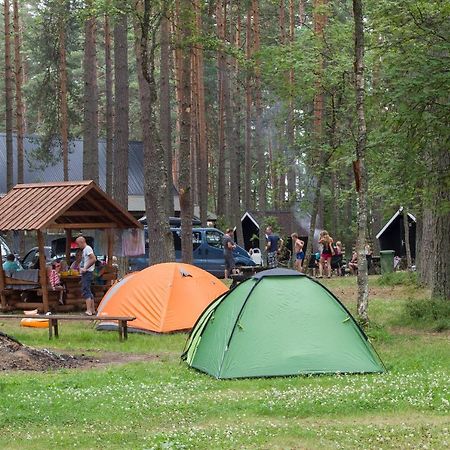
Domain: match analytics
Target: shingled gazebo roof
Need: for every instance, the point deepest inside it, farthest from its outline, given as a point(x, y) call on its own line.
point(64, 205)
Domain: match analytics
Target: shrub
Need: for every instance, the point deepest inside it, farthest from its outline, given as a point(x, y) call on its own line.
point(397, 279)
point(434, 313)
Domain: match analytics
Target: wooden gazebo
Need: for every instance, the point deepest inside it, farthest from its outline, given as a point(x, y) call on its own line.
point(74, 205)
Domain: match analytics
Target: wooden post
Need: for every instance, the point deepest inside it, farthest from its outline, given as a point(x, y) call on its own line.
point(43, 270)
point(2, 282)
point(109, 254)
point(68, 245)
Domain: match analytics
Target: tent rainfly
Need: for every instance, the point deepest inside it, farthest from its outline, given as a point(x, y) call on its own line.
point(164, 298)
point(279, 323)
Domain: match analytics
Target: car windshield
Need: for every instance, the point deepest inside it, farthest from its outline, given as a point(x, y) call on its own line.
point(214, 238)
point(5, 249)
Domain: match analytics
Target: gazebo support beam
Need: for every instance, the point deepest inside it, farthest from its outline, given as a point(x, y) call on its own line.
point(110, 246)
point(68, 245)
point(2, 282)
point(43, 269)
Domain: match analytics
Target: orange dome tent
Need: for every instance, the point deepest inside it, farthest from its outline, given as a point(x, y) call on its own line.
point(163, 298)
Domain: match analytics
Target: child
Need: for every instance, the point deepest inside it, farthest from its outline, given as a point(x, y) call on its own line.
point(55, 281)
point(11, 265)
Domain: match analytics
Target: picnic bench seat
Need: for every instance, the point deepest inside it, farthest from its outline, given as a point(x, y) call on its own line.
point(22, 280)
point(53, 321)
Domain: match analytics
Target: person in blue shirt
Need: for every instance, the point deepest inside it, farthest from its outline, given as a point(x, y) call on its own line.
point(11, 265)
point(273, 244)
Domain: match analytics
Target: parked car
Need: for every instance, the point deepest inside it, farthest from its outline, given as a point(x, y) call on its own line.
point(32, 255)
point(174, 221)
point(207, 251)
point(5, 249)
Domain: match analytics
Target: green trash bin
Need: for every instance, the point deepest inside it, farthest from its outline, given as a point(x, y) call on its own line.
point(387, 261)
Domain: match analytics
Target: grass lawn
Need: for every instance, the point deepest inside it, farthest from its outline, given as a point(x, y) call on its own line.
point(161, 404)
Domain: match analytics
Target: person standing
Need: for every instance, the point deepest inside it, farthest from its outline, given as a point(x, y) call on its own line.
point(337, 259)
point(87, 267)
point(228, 247)
point(327, 252)
point(273, 244)
point(297, 245)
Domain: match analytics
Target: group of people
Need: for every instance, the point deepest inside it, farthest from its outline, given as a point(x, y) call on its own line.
point(330, 254)
point(85, 263)
point(273, 245)
point(327, 249)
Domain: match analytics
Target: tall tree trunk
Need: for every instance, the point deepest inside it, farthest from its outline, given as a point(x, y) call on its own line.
point(201, 122)
point(283, 158)
point(425, 259)
point(359, 164)
point(247, 195)
point(194, 128)
point(221, 63)
point(406, 239)
point(301, 12)
point(177, 76)
point(20, 117)
point(8, 98)
point(320, 21)
point(109, 109)
point(121, 108)
point(155, 171)
point(261, 164)
point(20, 122)
point(185, 21)
point(319, 158)
point(236, 210)
point(440, 286)
point(164, 107)
point(90, 125)
point(291, 176)
point(63, 94)
point(230, 132)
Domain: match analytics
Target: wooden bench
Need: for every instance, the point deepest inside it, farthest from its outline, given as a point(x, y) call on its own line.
point(53, 321)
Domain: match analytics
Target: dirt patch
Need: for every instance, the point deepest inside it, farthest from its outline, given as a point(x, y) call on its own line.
point(350, 293)
point(16, 356)
point(111, 358)
point(444, 335)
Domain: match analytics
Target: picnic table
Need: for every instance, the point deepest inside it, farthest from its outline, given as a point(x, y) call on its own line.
point(245, 272)
point(53, 321)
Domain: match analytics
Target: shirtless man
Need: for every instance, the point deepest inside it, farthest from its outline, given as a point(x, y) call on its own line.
point(298, 251)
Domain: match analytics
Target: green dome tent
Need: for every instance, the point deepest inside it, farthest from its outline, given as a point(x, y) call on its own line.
point(279, 323)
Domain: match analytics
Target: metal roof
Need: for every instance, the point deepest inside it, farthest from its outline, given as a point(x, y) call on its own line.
point(63, 205)
point(35, 171)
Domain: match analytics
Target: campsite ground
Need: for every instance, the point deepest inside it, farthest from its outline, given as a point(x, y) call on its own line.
point(137, 394)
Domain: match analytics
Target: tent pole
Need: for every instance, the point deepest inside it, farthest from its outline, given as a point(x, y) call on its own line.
point(43, 270)
point(2, 282)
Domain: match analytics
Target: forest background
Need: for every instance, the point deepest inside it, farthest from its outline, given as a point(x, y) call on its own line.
point(245, 105)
